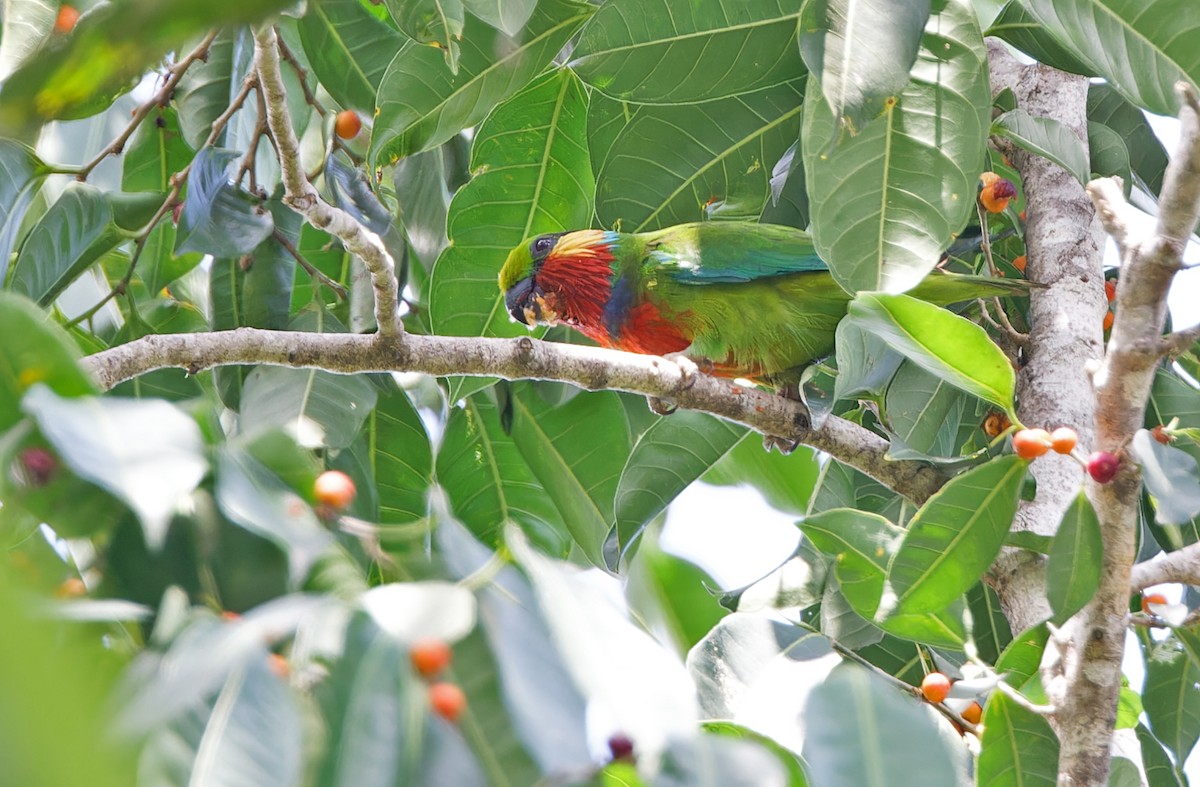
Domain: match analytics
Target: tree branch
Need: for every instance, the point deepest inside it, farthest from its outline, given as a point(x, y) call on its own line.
point(301, 197)
point(1182, 565)
point(592, 368)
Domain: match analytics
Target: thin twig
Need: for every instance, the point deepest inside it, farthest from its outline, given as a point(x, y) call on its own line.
point(290, 58)
point(160, 98)
point(308, 266)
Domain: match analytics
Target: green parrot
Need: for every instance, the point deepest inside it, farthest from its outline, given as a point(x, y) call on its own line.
point(742, 299)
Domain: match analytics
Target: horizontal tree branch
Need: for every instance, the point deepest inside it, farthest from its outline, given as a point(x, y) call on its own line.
point(592, 368)
point(1182, 565)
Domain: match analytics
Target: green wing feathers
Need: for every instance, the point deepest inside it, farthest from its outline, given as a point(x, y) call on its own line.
point(727, 252)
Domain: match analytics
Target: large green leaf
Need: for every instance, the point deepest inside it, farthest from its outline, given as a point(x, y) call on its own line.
point(1046, 137)
point(80, 73)
point(577, 451)
point(989, 627)
point(488, 483)
point(861, 51)
point(1147, 156)
point(1014, 25)
point(944, 344)
point(21, 173)
point(532, 176)
point(675, 164)
point(203, 93)
point(79, 228)
point(508, 16)
point(349, 50)
point(421, 104)
point(318, 408)
point(1160, 772)
point(923, 411)
point(955, 536)
point(147, 453)
point(1076, 560)
point(1019, 748)
point(44, 354)
point(1171, 693)
point(659, 52)
point(402, 458)
point(27, 23)
point(861, 545)
point(894, 196)
point(863, 733)
point(787, 482)
point(672, 596)
point(670, 455)
point(437, 22)
point(1142, 47)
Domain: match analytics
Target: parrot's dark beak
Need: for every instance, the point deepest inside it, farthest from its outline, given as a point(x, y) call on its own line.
point(518, 300)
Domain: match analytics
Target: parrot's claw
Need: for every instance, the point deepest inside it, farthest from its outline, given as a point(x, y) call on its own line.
point(661, 406)
point(785, 445)
point(689, 370)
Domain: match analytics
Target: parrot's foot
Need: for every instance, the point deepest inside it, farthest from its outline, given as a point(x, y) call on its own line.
point(690, 370)
point(785, 445)
point(661, 406)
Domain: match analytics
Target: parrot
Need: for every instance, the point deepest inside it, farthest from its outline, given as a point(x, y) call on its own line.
point(742, 299)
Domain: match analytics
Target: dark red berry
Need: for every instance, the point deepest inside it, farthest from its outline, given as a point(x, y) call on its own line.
point(1103, 466)
point(38, 466)
point(621, 747)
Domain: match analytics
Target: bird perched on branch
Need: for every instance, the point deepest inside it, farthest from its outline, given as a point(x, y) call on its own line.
point(743, 299)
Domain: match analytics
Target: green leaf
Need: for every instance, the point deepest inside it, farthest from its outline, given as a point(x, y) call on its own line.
point(349, 50)
point(27, 25)
point(895, 196)
point(1076, 560)
point(1019, 748)
point(1046, 137)
point(1129, 708)
point(1022, 658)
point(21, 174)
point(989, 627)
point(402, 458)
point(507, 16)
point(421, 104)
point(145, 452)
point(488, 483)
point(438, 22)
point(861, 52)
point(1017, 27)
point(861, 733)
point(861, 545)
point(112, 44)
point(256, 499)
point(923, 411)
point(955, 536)
point(532, 176)
point(1108, 155)
point(45, 354)
point(787, 482)
point(1139, 46)
point(941, 342)
point(76, 231)
point(204, 91)
point(713, 160)
point(577, 454)
point(672, 595)
point(865, 362)
point(1171, 476)
point(316, 407)
point(709, 50)
point(668, 457)
point(1146, 154)
point(1171, 695)
point(366, 701)
point(790, 760)
point(942, 629)
point(1160, 772)
point(218, 218)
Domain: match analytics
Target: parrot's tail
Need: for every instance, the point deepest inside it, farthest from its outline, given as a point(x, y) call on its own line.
point(946, 288)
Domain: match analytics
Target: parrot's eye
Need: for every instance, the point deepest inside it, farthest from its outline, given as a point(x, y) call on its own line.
point(542, 245)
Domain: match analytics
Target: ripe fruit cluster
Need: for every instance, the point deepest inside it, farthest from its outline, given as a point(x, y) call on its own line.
point(1032, 443)
point(996, 192)
point(430, 657)
point(1110, 293)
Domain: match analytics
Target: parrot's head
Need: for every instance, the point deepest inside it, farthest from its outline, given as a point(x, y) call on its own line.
point(558, 277)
